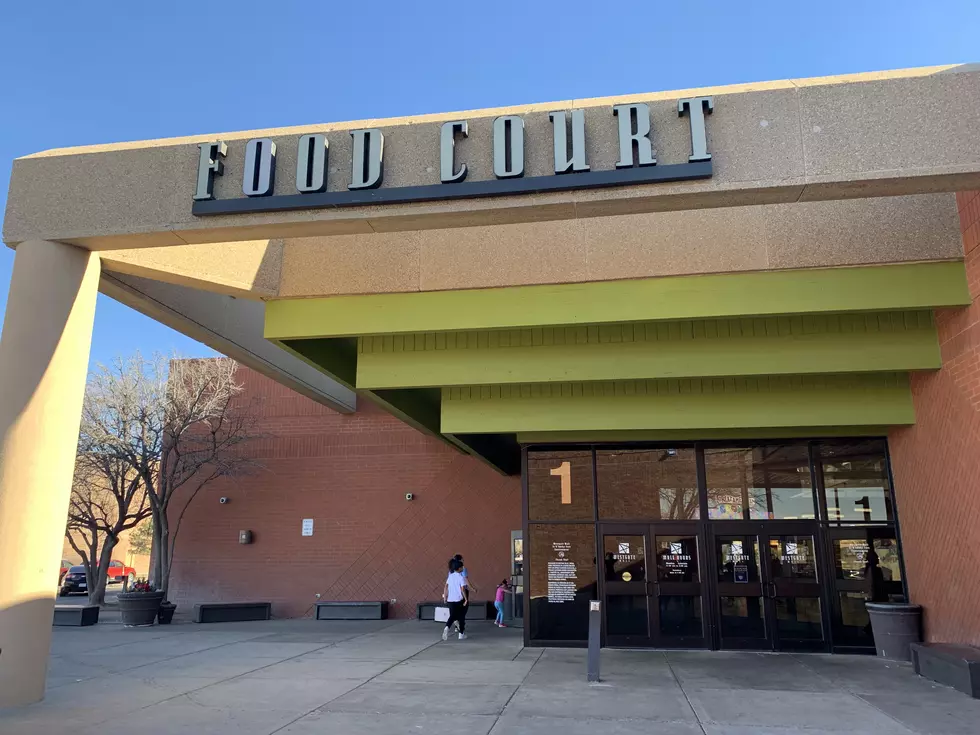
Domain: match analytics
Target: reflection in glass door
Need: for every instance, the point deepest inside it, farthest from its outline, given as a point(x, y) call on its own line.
point(678, 620)
point(794, 587)
point(768, 586)
point(739, 586)
point(624, 584)
point(866, 568)
point(652, 585)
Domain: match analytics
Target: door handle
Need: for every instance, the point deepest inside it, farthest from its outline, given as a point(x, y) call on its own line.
point(771, 588)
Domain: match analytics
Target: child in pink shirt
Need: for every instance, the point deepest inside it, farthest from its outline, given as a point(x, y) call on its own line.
point(502, 589)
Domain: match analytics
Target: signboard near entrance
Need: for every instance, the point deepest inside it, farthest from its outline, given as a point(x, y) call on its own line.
point(637, 164)
point(562, 574)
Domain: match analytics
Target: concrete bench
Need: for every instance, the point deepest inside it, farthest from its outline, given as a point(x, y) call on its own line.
point(476, 610)
point(232, 612)
point(77, 615)
point(955, 666)
point(352, 611)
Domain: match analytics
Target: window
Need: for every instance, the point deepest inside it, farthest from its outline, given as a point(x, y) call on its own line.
point(624, 558)
point(855, 481)
point(755, 483)
point(654, 484)
point(559, 486)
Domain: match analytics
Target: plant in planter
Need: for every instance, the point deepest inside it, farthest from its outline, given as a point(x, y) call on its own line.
point(141, 604)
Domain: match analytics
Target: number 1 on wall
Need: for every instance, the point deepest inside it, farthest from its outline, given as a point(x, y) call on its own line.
point(564, 471)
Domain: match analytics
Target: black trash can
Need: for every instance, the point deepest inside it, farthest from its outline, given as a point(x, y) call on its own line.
point(896, 626)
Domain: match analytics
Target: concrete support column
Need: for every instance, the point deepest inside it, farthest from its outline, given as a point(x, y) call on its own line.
point(44, 351)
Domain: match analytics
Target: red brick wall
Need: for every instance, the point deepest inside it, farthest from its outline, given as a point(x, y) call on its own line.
point(936, 464)
point(350, 474)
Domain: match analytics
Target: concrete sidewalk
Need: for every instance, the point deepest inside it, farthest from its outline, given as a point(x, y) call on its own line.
point(392, 677)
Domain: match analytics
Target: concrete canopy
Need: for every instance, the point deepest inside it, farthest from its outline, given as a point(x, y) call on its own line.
point(813, 173)
point(828, 213)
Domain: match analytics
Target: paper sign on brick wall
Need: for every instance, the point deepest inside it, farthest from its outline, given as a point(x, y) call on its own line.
point(307, 526)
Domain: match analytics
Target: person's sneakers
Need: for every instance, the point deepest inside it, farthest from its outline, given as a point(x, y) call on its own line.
point(462, 636)
point(455, 626)
point(445, 633)
point(501, 625)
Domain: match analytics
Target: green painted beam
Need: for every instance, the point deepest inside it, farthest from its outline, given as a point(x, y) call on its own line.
point(807, 291)
point(686, 435)
point(877, 399)
point(818, 344)
point(499, 451)
point(336, 358)
point(419, 408)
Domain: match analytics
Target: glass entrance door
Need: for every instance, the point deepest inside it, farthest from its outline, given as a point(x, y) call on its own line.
point(678, 619)
point(740, 586)
point(652, 585)
point(768, 586)
point(866, 567)
point(793, 582)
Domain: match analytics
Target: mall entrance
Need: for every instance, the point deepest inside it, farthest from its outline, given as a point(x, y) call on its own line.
point(760, 546)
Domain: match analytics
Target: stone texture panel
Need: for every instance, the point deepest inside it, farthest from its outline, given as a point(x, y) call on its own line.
point(378, 263)
point(247, 268)
point(936, 465)
point(350, 474)
point(860, 232)
point(891, 133)
point(731, 239)
point(503, 255)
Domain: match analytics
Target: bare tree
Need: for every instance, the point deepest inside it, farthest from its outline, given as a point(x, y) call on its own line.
point(178, 425)
point(107, 498)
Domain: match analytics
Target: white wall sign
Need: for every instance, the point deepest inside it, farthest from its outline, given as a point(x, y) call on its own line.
point(307, 526)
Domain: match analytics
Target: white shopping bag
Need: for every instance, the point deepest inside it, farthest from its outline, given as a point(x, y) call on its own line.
point(442, 615)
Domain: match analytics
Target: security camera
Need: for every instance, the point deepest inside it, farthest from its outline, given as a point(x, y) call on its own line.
point(409, 496)
point(222, 500)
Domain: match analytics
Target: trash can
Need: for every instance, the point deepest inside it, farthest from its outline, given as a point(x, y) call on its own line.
point(896, 626)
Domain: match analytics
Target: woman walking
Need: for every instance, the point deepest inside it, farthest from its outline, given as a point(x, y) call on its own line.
point(470, 587)
point(465, 572)
point(456, 595)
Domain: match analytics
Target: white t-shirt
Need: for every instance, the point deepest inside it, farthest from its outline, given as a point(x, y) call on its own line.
point(455, 582)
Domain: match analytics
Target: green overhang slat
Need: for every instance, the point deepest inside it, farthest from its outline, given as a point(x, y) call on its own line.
point(807, 291)
point(893, 341)
point(719, 403)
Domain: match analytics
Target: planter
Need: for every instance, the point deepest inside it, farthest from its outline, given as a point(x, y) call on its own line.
point(166, 613)
point(896, 626)
point(139, 608)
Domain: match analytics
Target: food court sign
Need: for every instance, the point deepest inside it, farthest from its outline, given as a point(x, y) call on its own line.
point(637, 164)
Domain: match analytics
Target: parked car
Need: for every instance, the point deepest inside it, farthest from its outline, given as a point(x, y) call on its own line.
point(119, 572)
point(74, 581)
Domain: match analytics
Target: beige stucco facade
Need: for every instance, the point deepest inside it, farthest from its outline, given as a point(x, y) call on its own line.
point(43, 360)
point(862, 135)
point(830, 173)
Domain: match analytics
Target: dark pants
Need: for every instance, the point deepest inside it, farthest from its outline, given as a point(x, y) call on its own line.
point(457, 613)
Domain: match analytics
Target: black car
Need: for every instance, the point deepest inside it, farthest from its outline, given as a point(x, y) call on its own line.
point(74, 581)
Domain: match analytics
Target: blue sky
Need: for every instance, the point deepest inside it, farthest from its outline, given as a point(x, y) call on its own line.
point(99, 72)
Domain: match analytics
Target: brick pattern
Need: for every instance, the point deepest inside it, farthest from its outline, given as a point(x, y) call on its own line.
point(350, 473)
point(936, 464)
